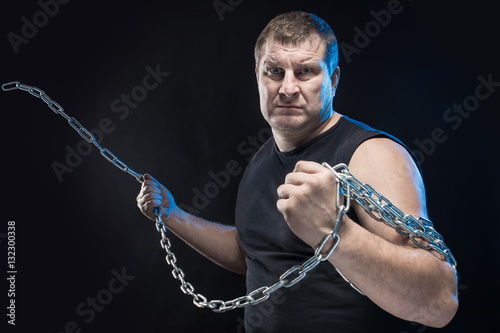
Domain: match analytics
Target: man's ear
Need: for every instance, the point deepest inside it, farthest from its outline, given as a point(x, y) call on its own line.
point(257, 72)
point(335, 79)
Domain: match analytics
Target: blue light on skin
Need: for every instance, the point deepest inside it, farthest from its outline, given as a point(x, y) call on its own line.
point(328, 92)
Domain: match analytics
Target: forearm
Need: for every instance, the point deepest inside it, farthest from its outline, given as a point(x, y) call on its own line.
point(217, 242)
point(408, 282)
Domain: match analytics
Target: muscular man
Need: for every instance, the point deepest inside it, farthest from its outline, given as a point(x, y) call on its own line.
point(286, 203)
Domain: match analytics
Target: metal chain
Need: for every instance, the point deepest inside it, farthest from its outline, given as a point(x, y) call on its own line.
point(287, 279)
point(84, 133)
point(420, 231)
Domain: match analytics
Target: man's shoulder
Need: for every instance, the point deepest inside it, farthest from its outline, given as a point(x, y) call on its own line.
point(380, 154)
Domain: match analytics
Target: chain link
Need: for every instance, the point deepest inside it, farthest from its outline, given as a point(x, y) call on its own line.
point(420, 231)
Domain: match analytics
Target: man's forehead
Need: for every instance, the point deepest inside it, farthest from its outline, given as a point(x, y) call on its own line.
point(270, 60)
point(310, 50)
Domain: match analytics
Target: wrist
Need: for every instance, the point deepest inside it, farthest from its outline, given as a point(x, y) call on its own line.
point(170, 213)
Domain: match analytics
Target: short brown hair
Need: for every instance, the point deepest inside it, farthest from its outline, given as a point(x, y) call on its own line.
point(295, 28)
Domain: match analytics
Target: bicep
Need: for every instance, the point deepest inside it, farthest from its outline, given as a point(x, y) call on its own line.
point(389, 169)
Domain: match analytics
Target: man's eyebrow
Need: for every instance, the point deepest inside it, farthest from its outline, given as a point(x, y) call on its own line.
point(271, 62)
point(310, 63)
point(306, 63)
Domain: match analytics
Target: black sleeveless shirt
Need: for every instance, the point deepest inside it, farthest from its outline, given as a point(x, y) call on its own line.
point(323, 301)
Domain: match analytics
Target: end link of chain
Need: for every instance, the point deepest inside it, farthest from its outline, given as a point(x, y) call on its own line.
point(10, 86)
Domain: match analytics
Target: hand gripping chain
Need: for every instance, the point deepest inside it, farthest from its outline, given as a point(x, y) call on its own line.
point(420, 231)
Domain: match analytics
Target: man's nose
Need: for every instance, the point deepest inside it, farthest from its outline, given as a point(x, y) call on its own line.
point(289, 85)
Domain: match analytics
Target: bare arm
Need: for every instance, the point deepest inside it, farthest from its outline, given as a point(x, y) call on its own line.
point(403, 279)
point(217, 242)
point(406, 281)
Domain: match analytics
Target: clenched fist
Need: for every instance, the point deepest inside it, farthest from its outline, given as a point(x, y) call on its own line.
point(155, 195)
point(307, 201)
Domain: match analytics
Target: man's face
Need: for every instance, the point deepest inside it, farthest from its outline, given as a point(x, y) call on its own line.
point(295, 86)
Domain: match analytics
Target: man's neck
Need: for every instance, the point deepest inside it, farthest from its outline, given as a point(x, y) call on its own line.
point(287, 141)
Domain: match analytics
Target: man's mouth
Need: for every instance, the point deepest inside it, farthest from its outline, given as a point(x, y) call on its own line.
point(289, 106)
point(288, 110)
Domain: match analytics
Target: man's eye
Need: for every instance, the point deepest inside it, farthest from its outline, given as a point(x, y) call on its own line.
point(307, 71)
point(274, 71)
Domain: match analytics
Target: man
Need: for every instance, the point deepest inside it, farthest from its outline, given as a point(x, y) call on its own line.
point(286, 203)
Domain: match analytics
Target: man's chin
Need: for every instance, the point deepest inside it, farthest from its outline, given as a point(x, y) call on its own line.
point(287, 123)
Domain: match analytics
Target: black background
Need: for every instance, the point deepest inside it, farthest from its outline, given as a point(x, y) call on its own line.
point(71, 234)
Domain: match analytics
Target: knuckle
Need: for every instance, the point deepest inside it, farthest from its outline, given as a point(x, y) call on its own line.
point(328, 175)
point(291, 202)
point(287, 177)
point(306, 189)
point(313, 181)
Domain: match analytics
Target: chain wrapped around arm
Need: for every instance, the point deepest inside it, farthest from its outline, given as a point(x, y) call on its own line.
point(420, 231)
